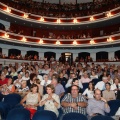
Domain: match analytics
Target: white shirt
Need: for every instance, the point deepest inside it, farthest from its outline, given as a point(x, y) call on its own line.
point(100, 85)
point(89, 93)
point(113, 87)
point(49, 105)
point(40, 77)
point(45, 71)
point(43, 82)
point(69, 83)
point(25, 78)
point(94, 77)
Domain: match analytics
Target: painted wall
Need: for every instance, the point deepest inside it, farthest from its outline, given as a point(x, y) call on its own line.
point(58, 52)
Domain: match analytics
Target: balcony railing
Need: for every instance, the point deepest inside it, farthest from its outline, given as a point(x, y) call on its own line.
point(59, 21)
point(97, 41)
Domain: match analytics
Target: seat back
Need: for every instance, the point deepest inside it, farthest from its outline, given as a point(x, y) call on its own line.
point(101, 117)
point(95, 81)
point(74, 116)
point(85, 86)
point(18, 114)
point(12, 99)
point(44, 115)
point(114, 106)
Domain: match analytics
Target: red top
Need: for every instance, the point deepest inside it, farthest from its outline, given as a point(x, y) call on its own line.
point(2, 82)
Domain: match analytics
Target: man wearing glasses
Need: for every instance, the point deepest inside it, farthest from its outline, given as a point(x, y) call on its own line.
point(74, 102)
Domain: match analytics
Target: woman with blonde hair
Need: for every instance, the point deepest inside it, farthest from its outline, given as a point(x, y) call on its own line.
point(51, 101)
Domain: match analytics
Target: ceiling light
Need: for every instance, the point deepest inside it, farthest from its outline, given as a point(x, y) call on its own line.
point(57, 42)
point(8, 10)
point(109, 14)
point(41, 19)
point(75, 20)
point(24, 39)
point(74, 42)
point(41, 41)
point(58, 21)
point(109, 39)
point(25, 15)
point(92, 42)
point(6, 35)
point(92, 18)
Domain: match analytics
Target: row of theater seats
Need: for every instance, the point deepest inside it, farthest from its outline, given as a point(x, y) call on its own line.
point(10, 109)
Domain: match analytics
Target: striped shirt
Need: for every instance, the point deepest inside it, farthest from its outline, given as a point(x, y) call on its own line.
point(68, 98)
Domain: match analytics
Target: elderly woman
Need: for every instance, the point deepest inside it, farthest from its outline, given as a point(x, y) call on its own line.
point(32, 100)
point(45, 81)
point(51, 101)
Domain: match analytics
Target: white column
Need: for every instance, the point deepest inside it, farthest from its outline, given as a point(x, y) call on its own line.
point(5, 51)
point(74, 56)
point(23, 53)
point(58, 55)
point(93, 56)
point(111, 56)
point(41, 55)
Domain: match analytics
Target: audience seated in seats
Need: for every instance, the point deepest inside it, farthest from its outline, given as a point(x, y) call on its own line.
point(84, 78)
point(110, 80)
point(51, 101)
point(41, 89)
point(97, 105)
point(5, 71)
point(3, 80)
point(93, 75)
point(74, 102)
point(26, 76)
point(13, 72)
point(45, 81)
point(108, 94)
point(18, 81)
point(116, 85)
point(59, 89)
point(75, 82)
point(32, 100)
point(69, 82)
point(89, 92)
point(33, 77)
point(23, 90)
point(46, 69)
point(101, 85)
point(8, 88)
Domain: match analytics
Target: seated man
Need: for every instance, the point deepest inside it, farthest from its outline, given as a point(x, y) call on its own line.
point(97, 105)
point(101, 85)
point(74, 102)
point(108, 94)
point(74, 82)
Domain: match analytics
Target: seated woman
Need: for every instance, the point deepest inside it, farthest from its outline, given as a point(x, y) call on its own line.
point(89, 92)
point(17, 82)
point(108, 94)
point(24, 89)
point(8, 88)
point(93, 75)
point(32, 100)
point(51, 101)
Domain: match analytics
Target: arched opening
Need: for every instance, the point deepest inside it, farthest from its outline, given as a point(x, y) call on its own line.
point(32, 55)
point(48, 55)
point(66, 57)
point(83, 56)
point(117, 54)
point(2, 27)
point(13, 53)
point(102, 56)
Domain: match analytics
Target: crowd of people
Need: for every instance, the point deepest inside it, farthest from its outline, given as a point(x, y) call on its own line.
point(56, 85)
point(63, 10)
